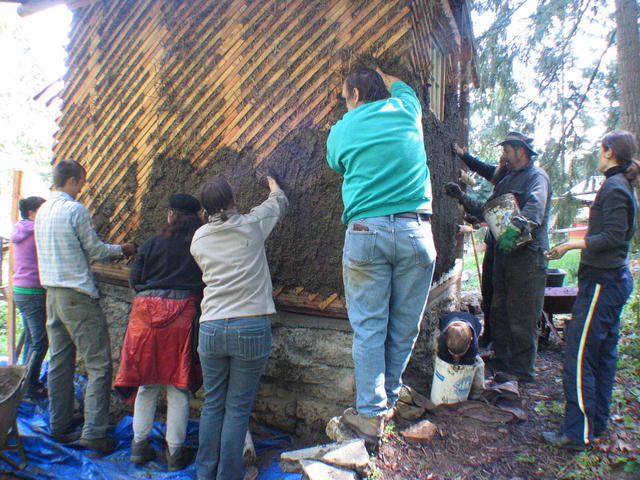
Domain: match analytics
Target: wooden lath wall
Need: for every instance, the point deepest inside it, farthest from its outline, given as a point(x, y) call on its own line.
point(183, 79)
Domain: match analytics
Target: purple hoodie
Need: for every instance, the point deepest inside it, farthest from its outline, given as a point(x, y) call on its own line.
point(26, 258)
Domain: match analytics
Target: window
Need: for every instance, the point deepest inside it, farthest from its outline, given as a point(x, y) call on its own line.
point(437, 80)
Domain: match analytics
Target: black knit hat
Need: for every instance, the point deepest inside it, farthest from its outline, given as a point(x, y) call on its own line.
point(516, 139)
point(183, 203)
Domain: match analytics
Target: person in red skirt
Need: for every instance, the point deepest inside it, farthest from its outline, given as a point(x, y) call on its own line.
point(158, 353)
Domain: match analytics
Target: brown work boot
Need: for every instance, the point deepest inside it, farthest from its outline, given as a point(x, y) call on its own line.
point(142, 452)
point(104, 446)
point(177, 460)
point(367, 428)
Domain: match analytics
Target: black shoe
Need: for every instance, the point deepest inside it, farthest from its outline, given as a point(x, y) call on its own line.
point(66, 437)
point(104, 446)
point(177, 461)
point(504, 377)
point(562, 441)
point(142, 452)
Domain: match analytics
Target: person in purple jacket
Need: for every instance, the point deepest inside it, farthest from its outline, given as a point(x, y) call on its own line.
point(28, 293)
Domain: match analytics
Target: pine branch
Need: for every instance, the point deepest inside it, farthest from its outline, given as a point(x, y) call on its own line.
point(569, 127)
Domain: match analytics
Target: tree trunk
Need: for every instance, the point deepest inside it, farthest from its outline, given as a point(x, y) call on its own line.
point(629, 64)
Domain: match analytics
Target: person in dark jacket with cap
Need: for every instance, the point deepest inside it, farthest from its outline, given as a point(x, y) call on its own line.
point(519, 272)
point(604, 285)
point(157, 353)
point(492, 173)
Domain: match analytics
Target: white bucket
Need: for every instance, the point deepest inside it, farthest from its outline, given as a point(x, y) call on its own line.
point(498, 213)
point(451, 383)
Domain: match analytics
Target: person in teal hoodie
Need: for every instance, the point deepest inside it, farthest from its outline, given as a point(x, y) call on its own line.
point(389, 255)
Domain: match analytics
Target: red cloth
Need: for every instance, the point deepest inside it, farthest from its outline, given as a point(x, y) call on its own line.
point(158, 347)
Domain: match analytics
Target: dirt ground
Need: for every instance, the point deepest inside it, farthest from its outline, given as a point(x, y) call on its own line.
point(466, 449)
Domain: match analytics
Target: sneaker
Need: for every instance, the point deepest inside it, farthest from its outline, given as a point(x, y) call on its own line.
point(251, 473)
point(104, 446)
point(142, 452)
point(562, 441)
point(177, 460)
point(368, 428)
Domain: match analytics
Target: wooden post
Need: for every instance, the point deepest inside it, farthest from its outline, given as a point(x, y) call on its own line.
point(11, 306)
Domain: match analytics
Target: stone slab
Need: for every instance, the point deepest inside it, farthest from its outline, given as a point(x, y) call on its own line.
point(420, 433)
point(351, 455)
point(315, 470)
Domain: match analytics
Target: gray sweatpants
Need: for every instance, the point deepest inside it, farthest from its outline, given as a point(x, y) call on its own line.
point(177, 413)
point(75, 322)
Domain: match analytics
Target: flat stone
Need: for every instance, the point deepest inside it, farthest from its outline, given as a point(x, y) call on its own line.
point(420, 433)
point(290, 461)
point(315, 470)
point(351, 454)
point(338, 431)
point(407, 411)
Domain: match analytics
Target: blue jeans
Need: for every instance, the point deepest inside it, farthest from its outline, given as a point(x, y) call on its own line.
point(387, 267)
point(233, 353)
point(32, 309)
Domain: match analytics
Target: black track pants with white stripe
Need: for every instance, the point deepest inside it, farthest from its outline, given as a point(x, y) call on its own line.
point(590, 355)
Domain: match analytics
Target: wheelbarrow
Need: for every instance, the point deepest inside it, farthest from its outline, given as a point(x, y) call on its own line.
point(12, 384)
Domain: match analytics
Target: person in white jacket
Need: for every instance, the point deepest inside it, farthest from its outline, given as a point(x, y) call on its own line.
point(234, 341)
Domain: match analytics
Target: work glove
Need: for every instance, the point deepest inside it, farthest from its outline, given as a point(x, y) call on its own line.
point(508, 241)
point(453, 190)
point(523, 224)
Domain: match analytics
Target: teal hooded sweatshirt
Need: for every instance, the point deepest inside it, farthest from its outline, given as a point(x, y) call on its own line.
point(378, 147)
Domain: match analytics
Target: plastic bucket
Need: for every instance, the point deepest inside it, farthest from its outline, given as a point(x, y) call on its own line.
point(451, 383)
point(498, 212)
point(555, 277)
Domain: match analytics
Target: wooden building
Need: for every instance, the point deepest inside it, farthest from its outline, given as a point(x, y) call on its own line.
point(162, 94)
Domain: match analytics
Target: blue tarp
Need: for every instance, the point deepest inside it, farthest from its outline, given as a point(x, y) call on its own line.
point(47, 459)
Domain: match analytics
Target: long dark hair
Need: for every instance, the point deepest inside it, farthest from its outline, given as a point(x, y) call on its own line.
point(369, 83)
point(182, 225)
point(624, 146)
point(30, 204)
point(217, 196)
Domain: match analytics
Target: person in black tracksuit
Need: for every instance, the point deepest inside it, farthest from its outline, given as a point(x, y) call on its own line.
point(492, 173)
point(604, 285)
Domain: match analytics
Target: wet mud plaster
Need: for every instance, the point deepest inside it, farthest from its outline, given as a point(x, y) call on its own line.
point(305, 249)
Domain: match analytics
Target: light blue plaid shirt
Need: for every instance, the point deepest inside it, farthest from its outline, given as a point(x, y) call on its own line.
point(66, 241)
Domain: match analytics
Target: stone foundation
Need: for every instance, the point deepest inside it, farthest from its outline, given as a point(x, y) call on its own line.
point(309, 377)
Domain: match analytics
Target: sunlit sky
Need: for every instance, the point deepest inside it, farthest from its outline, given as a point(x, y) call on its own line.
point(34, 56)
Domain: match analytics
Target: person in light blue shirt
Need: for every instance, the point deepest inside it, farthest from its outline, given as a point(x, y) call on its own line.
point(389, 255)
point(66, 242)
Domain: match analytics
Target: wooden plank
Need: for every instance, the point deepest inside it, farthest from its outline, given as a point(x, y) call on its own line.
point(11, 306)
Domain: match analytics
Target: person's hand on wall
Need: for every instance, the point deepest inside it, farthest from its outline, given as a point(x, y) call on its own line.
point(128, 249)
point(273, 183)
point(386, 78)
point(453, 190)
point(458, 150)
